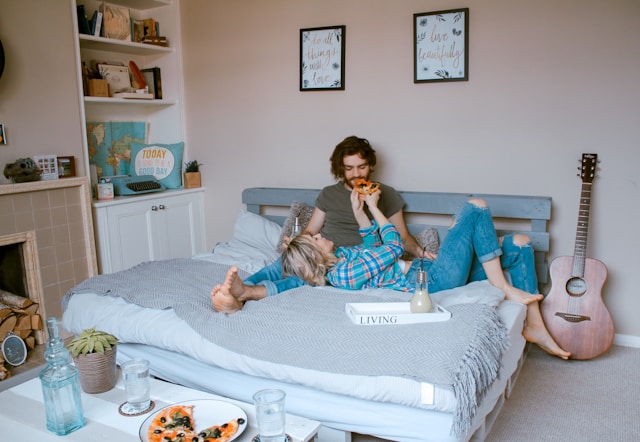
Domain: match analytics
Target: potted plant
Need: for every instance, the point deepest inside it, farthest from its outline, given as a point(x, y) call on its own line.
point(192, 174)
point(94, 353)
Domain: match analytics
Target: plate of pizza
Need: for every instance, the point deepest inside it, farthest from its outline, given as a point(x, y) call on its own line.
point(199, 420)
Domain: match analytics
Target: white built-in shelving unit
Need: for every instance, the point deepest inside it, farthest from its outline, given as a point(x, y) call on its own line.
point(165, 117)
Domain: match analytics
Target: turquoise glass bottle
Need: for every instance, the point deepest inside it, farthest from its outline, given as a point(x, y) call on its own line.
point(60, 386)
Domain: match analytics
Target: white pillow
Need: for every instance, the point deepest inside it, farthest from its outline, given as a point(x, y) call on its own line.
point(256, 231)
point(252, 246)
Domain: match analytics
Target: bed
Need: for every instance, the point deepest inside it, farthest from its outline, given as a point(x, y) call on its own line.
point(396, 382)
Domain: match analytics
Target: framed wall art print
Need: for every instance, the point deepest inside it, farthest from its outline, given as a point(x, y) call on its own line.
point(322, 58)
point(441, 46)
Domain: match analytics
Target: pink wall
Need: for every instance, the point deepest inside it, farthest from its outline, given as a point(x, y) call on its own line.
point(547, 82)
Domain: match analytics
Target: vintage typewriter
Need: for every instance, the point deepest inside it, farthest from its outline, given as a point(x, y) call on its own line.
point(134, 185)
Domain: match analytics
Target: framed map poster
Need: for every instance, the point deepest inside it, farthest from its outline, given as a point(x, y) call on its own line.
point(322, 58)
point(441, 46)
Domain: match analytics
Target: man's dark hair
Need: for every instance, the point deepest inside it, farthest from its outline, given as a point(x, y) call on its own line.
point(351, 146)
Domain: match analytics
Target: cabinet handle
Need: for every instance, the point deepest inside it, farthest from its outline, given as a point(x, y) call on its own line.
point(154, 208)
point(162, 207)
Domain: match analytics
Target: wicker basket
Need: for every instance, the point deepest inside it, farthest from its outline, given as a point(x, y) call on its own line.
point(97, 371)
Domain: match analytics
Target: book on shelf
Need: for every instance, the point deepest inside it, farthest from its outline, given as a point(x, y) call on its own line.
point(83, 21)
point(157, 40)
point(137, 30)
point(154, 81)
point(96, 23)
point(135, 95)
point(150, 27)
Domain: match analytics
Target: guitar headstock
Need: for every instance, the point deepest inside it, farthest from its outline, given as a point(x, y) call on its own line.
point(588, 167)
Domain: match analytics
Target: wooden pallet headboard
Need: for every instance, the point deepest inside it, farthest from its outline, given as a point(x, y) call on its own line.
point(513, 213)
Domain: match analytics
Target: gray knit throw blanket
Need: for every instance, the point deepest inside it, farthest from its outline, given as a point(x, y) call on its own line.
point(308, 327)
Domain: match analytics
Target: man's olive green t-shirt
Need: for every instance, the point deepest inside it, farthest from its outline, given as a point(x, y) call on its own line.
point(340, 225)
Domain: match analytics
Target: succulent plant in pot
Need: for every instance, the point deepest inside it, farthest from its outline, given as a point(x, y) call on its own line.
point(94, 353)
point(192, 177)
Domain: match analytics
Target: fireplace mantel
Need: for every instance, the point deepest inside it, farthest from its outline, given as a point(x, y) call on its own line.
point(59, 212)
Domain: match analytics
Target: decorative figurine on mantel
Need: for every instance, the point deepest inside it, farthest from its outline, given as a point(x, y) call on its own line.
point(23, 170)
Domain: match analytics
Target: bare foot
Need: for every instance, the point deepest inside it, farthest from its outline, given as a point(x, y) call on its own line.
point(513, 294)
point(223, 301)
point(230, 296)
point(541, 337)
point(236, 286)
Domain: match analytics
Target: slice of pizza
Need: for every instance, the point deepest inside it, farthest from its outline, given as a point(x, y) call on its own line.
point(363, 186)
point(172, 435)
point(171, 423)
point(221, 433)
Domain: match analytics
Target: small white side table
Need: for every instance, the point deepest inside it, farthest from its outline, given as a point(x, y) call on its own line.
point(22, 415)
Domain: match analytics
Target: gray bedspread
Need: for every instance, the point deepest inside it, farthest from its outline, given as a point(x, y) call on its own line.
point(308, 327)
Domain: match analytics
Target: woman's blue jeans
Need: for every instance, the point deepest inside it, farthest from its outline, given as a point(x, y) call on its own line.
point(271, 278)
point(471, 241)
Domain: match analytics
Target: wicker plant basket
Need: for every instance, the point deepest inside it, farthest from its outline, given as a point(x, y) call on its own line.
point(97, 371)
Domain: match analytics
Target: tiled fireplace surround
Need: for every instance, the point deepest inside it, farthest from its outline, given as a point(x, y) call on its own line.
point(59, 213)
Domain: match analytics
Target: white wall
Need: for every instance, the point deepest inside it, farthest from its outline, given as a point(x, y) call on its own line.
point(39, 99)
point(548, 81)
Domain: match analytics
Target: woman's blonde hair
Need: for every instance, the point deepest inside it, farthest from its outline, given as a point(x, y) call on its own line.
point(306, 260)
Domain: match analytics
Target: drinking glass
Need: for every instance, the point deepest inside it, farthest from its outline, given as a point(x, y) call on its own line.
point(270, 414)
point(137, 385)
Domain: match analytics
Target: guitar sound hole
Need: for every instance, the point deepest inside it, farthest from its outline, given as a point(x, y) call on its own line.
point(576, 286)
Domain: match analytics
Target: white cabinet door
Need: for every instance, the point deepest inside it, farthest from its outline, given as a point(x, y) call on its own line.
point(177, 226)
point(130, 236)
point(131, 230)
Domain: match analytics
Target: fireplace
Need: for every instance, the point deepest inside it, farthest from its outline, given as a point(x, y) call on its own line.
point(49, 224)
point(20, 278)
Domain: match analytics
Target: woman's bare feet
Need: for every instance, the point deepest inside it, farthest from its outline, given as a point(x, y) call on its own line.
point(223, 301)
point(542, 338)
point(514, 294)
point(535, 331)
point(230, 296)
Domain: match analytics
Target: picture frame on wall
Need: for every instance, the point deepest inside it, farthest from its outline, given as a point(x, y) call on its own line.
point(66, 167)
point(322, 57)
point(441, 46)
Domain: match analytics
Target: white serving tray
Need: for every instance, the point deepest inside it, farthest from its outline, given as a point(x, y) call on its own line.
point(390, 313)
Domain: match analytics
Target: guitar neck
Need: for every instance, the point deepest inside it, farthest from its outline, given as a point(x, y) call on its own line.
point(582, 231)
point(588, 172)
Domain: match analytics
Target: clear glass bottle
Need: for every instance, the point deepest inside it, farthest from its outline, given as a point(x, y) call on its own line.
point(295, 230)
point(60, 386)
point(421, 301)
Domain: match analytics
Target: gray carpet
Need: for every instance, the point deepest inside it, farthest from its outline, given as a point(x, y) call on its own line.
point(556, 400)
point(571, 401)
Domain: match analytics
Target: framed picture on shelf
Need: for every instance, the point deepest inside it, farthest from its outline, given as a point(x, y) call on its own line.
point(117, 77)
point(441, 46)
point(116, 22)
point(48, 165)
point(322, 58)
point(66, 167)
point(154, 81)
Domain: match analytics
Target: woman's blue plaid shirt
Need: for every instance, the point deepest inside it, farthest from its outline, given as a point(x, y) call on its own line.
point(374, 264)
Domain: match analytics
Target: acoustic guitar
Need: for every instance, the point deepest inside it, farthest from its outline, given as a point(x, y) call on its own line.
point(573, 311)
